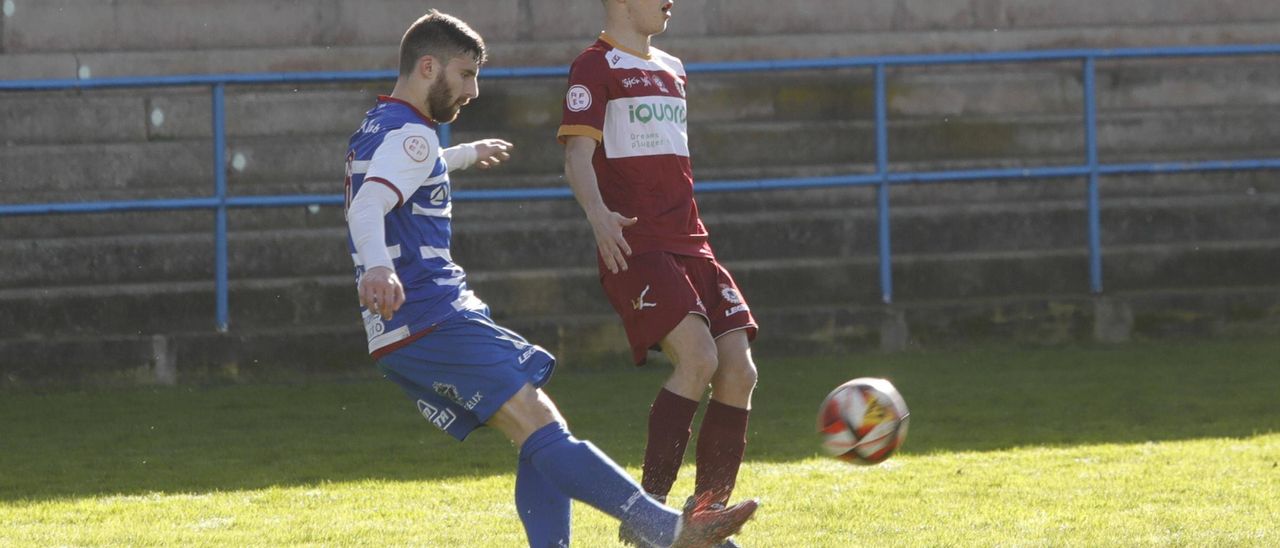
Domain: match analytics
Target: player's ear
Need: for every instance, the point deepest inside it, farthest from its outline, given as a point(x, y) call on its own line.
point(427, 66)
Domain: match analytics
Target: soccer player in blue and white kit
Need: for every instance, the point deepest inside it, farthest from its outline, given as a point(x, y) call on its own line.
point(431, 335)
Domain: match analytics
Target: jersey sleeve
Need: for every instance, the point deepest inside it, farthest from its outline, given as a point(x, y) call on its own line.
point(586, 98)
point(407, 158)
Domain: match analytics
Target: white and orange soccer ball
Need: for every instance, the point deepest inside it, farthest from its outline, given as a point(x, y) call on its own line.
point(863, 421)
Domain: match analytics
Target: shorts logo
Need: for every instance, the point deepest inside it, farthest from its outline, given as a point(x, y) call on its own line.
point(449, 391)
point(528, 353)
point(578, 98)
point(732, 297)
point(638, 302)
point(417, 148)
point(442, 418)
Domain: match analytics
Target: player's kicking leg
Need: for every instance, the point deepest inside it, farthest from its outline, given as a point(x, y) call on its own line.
point(578, 470)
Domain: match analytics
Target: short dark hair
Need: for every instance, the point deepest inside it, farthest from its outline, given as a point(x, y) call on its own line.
point(439, 35)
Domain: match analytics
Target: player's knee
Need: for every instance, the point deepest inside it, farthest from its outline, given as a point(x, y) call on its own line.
point(737, 376)
point(526, 411)
point(699, 366)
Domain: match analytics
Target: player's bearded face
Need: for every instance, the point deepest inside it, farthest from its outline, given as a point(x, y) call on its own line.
point(454, 87)
point(443, 101)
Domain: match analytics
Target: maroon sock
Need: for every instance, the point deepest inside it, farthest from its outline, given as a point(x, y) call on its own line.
point(670, 420)
point(722, 439)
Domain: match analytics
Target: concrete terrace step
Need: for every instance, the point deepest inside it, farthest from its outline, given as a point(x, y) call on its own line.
point(476, 213)
point(62, 25)
point(203, 356)
point(177, 168)
point(1013, 191)
point(142, 309)
point(588, 341)
point(739, 42)
point(530, 242)
point(1027, 319)
point(913, 92)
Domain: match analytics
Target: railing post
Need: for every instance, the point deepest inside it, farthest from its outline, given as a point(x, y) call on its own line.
point(445, 133)
point(220, 214)
point(882, 190)
point(1091, 151)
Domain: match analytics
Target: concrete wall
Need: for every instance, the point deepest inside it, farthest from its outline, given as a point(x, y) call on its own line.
point(49, 26)
point(129, 297)
point(65, 38)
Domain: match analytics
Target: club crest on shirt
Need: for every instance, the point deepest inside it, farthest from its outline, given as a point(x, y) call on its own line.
point(417, 148)
point(578, 98)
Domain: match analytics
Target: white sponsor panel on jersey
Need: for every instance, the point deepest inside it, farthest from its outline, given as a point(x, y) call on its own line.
point(646, 126)
point(658, 60)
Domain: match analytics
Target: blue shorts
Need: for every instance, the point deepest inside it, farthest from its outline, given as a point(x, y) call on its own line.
point(463, 371)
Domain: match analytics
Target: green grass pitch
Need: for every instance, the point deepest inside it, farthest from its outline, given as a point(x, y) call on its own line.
point(1143, 444)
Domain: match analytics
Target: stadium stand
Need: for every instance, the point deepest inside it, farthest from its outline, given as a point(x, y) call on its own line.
point(129, 296)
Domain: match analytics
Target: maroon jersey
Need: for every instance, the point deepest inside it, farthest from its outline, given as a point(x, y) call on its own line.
point(634, 106)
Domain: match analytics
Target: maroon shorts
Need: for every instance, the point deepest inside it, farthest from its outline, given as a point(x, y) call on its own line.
point(659, 289)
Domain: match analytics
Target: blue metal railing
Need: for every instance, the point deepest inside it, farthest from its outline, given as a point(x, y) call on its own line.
point(882, 179)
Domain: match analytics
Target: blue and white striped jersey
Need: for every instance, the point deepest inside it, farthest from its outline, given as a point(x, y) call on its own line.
point(397, 146)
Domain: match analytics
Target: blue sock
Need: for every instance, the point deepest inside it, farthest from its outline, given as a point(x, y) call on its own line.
point(585, 473)
point(542, 507)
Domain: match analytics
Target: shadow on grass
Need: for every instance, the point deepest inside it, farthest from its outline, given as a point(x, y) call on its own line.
point(185, 439)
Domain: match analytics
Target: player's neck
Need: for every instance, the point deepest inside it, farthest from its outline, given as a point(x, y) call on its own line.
point(405, 91)
point(629, 38)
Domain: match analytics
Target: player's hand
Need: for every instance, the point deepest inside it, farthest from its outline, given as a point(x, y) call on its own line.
point(491, 152)
point(381, 292)
point(613, 246)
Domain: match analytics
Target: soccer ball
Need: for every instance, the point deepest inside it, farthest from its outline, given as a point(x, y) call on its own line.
point(863, 421)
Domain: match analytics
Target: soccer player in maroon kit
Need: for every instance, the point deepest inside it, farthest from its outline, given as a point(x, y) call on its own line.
point(627, 160)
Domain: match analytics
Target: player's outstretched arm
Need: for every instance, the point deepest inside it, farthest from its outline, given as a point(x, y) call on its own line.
point(606, 224)
point(379, 287)
point(485, 153)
